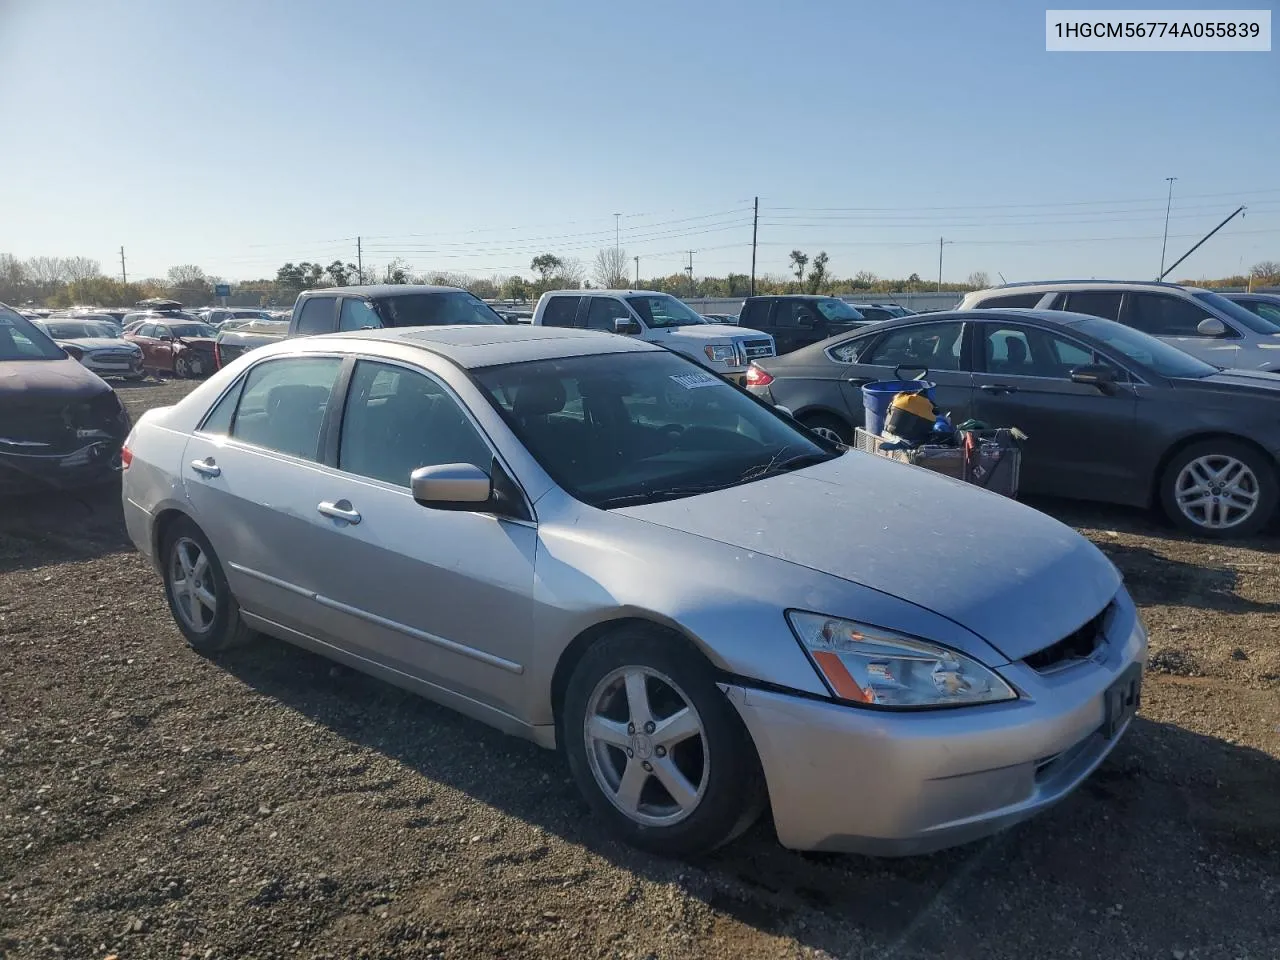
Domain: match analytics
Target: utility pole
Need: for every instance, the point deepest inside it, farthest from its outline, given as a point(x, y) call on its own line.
point(637, 260)
point(940, 242)
point(360, 259)
point(755, 225)
point(124, 276)
point(617, 231)
point(1168, 205)
point(690, 269)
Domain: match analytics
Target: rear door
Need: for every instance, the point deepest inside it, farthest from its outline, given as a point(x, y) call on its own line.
point(940, 348)
point(250, 473)
point(1079, 438)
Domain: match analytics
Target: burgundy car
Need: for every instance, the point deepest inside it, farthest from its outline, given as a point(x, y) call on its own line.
point(180, 348)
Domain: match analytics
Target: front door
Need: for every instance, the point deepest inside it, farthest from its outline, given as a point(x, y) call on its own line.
point(1175, 320)
point(446, 596)
point(1079, 438)
point(250, 473)
point(932, 351)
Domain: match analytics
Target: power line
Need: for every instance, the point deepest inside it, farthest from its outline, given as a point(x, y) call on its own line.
point(1054, 203)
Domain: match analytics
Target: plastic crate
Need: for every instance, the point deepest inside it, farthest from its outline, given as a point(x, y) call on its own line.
point(996, 465)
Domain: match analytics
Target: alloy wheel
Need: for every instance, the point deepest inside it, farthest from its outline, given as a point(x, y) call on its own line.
point(646, 746)
point(826, 433)
point(191, 581)
point(1217, 491)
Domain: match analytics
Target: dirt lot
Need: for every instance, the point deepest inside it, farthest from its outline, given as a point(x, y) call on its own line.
point(156, 804)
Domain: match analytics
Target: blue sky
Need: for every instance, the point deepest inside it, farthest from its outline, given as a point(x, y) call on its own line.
point(471, 136)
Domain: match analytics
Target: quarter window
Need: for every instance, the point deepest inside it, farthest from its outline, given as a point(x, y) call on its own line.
point(218, 422)
point(316, 316)
point(850, 350)
point(397, 420)
point(933, 346)
point(284, 403)
point(1164, 316)
point(560, 312)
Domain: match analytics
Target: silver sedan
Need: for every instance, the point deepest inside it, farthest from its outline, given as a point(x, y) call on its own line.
point(594, 543)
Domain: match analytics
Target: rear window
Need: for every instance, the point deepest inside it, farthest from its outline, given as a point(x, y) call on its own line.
point(434, 310)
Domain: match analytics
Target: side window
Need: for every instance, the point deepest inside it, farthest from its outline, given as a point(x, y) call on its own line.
point(1014, 351)
point(162, 332)
point(932, 345)
point(1094, 303)
point(1020, 300)
point(397, 420)
point(784, 315)
point(1164, 316)
point(806, 315)
point(604, 310)
point(283, 404)
point(218, 421)
point(316, 316)
point(1267, 311)
point(755, 313)
point(147, 330)
point(560, 311)
point(357, 315)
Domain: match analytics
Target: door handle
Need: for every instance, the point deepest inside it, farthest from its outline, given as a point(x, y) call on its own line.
point(206, 467)
point(339, 510)
point(997, 388)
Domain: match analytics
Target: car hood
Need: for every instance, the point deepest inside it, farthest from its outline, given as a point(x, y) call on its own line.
point(709, 331)
point(100, 343)
point(1014, 576)
point(24, 381)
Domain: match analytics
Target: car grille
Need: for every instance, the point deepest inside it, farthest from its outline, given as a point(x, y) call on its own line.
point(1073, 648)
point(754, 349)
point(112, 356)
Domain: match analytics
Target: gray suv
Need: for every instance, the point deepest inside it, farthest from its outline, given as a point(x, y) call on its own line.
point(1199, 322)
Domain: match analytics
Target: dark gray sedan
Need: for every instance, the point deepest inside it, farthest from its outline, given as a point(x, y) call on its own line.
point(1111, 413)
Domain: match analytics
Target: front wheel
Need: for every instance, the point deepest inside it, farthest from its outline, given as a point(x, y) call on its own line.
point(655, 747)
point(1219, 489)
point(182, 368)
point(829, 428)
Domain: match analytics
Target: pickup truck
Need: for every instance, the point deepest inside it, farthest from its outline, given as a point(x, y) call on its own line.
point(657, 318)
point(331, 309)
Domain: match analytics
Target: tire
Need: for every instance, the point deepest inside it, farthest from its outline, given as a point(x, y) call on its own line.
point(218, 625)
point(720, 783)
point(1217, 477)
point(182, 368)
point(828, 427)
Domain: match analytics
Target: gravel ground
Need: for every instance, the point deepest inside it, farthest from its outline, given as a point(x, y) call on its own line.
point(267, 804)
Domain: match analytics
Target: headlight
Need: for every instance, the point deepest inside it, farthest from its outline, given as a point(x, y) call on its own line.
point(877, 667)
point(721, 353)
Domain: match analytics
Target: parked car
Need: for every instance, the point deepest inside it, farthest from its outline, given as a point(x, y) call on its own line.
point(233, 341)
point(1264, 305)
point(1111, 414)
point(516, 522)
point(180, 348)
point(216, 316)
point(872, 312)
point(721, 318)
point(656, 318)
point(61, 425)
point(97, 345)
point(1199, 322)
point(796, 320)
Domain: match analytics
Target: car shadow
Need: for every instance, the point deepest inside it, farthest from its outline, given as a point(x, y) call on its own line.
point(1153, 579)
point(61, 526)
point(1167, 804)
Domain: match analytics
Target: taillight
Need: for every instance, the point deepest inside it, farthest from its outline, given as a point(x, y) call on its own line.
point(217, 356)
point(757, 377)
point(126, 457)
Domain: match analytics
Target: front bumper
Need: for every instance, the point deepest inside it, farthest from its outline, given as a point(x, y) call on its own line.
point(113, 368)
point(93, 463)
point(842, 778)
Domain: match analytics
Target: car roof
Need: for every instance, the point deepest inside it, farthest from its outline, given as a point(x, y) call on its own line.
point(472, 346)
point(793, 296)
point(593, 292)
point(1033, 285)
point(379, 290)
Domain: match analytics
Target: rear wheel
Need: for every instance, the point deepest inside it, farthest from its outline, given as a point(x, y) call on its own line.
point(197, 590)
point(656, 748)
point(829, 428)
point(1220, 489)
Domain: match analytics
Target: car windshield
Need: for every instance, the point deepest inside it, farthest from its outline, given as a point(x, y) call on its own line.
point(20, 339)
point(434, 309)
point(661, 310)
point(1247, 319)
point(192, 330)
point(78, 331)
point(838, 310)
point(618, 429)
point(1155, 355)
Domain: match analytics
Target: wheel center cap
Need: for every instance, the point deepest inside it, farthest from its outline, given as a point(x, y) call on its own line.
point(642, 745)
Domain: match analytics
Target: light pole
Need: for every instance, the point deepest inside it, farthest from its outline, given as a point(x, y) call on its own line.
point(637, 260)
point(1167, 207)
point(940, 243)
point(617, 231)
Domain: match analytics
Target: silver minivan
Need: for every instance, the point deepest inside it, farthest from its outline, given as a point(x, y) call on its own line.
point(1199, 322)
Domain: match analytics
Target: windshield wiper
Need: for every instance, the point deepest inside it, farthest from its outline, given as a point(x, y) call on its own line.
point(785, 466)
point(661, 493)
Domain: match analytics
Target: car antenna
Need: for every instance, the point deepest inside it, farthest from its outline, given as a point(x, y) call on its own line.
point(1002, 279)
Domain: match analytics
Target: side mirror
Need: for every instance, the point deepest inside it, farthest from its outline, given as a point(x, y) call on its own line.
point(626, 327)
point(784, 410)
point(166, 339)
point(451, 486)
point(1095, 375)
point(75, 353)
point(1211, 327)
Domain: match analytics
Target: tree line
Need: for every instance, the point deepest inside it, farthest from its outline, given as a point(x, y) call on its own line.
point(70, 281)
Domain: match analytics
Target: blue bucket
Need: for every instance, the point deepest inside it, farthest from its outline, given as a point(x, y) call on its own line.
point(878, 395)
